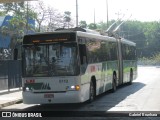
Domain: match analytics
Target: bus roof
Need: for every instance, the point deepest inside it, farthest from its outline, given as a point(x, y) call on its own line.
point(96, 36)
point(81, 33)
point(125, 41)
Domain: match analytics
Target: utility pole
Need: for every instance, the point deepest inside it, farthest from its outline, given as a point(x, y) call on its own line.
point(27, 18)
point(94, 17)
point(107, 12)
point(76, 13)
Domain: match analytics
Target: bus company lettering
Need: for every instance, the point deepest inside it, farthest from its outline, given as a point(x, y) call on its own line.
point(93, 68)
point(30, 81)
point(45, 86)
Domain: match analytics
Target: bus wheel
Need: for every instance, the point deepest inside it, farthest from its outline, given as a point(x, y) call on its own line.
point(92, 92)
point(114, 85)
point(131, 77)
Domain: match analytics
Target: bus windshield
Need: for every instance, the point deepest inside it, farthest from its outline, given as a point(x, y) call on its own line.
point(59, 59)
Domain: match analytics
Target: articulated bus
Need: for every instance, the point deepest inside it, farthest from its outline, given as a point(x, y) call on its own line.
point(74, 66)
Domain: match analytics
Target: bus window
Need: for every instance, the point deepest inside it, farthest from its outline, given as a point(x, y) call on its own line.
point(51, 60)
point(82, 52)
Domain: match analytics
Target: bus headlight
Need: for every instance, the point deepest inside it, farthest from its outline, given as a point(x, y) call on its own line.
point(27, 89)
point(73, 87)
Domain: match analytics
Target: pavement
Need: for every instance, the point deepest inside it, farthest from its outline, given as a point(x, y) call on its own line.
point(11, 97)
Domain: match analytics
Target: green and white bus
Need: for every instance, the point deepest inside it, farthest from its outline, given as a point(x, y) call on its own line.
point(74, 66)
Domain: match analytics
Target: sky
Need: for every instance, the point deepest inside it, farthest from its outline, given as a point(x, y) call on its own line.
point(142, 10)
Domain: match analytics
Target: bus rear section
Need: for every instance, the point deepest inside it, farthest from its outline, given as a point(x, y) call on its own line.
point(129, 61)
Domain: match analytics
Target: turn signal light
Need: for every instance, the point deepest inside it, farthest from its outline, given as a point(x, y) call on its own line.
point(77, 87)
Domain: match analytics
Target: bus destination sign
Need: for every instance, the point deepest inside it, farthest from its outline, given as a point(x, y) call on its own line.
point(49, 38)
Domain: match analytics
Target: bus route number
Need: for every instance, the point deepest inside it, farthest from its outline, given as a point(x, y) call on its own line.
point(63, 81)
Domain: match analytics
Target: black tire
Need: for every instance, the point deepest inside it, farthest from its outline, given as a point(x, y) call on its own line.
point(131, 77)
point(114, 84)
point(92, 92)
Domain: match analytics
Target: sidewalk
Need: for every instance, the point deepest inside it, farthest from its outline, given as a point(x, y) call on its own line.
point(10, 97)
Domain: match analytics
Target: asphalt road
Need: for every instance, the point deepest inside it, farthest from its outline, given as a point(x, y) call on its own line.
point(143, 96)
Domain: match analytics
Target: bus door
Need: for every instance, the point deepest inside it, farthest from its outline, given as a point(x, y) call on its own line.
point(120, 62)
point(103, 77)
point(83, 58)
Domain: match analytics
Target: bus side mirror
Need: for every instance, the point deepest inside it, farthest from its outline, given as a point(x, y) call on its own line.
point(15, 54)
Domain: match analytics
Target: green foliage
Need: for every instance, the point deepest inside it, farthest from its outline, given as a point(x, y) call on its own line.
point(17, 25)
point(2, 13)
point(103, 26)
point(14, 8)
point(146, 35)
point(154, 60)
point(83, 24)
point(92, 26)
point(67, 18)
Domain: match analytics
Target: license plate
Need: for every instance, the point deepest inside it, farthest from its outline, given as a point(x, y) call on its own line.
point(48, 95)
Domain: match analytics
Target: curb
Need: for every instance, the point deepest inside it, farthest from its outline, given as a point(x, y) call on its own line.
point(10, 103)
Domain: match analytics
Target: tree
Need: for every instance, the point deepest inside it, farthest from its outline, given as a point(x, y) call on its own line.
point(55, 19)
point(152, 33)
point(2, 13)
point(83, 24)
point(40, 14)
point(17, 25)
point(103, 26)
point(15, 8)
point(49, 19)
point(20, 12)
point(92, 26)
point(67, 19)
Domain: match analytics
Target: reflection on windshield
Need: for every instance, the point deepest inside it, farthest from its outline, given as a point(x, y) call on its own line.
point(51, 60)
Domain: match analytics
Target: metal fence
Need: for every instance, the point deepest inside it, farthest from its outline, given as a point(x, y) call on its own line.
point(10, 74)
